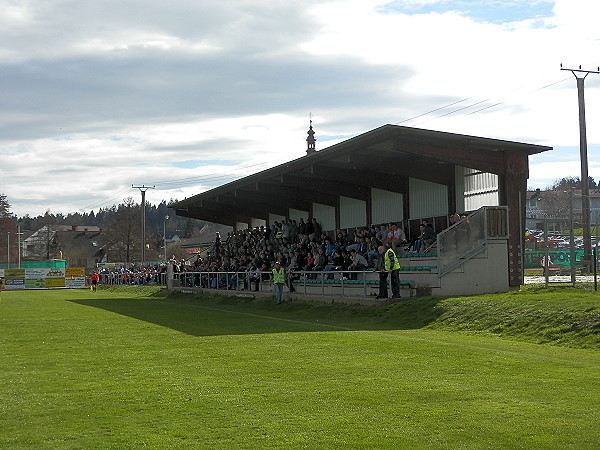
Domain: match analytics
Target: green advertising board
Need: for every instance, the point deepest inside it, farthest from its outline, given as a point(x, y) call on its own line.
point(534, 259)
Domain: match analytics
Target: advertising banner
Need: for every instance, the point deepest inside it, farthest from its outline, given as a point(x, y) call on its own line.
point(71, 272)
point(42, 278)
point(534, 259)
point(54, 282)
point(55, 278)
point(75, 277)
point(14, 279)
point(35, 278)
point(56, 273)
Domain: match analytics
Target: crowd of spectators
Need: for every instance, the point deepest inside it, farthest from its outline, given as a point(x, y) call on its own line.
point(137, 275)
point(249, 255)
point(298, 246)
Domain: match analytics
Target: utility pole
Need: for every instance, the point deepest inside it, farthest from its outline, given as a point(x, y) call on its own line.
point(48, 241)
point(143, 190)
point(19, 234)
point(585, 179)
point(165, 235)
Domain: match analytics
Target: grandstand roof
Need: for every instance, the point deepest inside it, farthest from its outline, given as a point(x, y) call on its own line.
point(382, 158)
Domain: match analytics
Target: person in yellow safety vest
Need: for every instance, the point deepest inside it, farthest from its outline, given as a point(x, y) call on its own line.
point(389, 265)
point(278, 281)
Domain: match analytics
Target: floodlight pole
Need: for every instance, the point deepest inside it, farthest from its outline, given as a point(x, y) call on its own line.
point(143, 190)
point(585, 183)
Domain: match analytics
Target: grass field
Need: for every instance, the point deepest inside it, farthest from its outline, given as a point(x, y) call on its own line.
point(132, 368)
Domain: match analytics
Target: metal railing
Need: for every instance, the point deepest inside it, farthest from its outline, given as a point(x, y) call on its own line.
point(301, 281)
point(470, 236)
point(120, 279)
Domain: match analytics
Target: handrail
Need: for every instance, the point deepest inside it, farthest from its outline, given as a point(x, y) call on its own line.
point(470, 236)
point(248, 281)
point(118, 279)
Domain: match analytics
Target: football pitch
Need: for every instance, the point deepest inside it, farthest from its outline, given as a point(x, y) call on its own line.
point(131, 369)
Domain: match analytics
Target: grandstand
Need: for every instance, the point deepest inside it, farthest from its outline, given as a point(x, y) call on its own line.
point(402, 175)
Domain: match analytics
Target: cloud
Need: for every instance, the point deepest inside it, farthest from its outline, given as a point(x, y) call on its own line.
point(544, 173)
point(97, 96)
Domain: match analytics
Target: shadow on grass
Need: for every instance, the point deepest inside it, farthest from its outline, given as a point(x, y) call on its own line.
point(216, 316)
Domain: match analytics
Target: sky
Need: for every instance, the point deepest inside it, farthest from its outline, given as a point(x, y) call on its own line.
point(186, 95)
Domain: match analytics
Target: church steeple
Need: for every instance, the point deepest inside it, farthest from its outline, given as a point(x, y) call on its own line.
point(310, 140)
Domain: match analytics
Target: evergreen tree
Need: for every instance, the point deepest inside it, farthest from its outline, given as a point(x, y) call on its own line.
point(8, 230)
point(4, 207)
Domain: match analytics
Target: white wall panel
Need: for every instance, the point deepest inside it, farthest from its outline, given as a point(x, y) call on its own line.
point(353, 212)
point(297, 214)
point(257, 222)
point(473, 203)
point(325, 215)
point(481, 189)
point(427, 199)
point(241, 226)
point(275, 217)
point(386, 206)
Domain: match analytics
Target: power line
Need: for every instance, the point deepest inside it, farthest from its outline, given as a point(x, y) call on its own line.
point(198, 179)
point(552, 84)
point(189, 181)
point(104, 200)
point(223, 175)
point(174, 183)
point(534, 90)
point(486, 107)
point(434, 110)
point(474, 104)
point(455, 111)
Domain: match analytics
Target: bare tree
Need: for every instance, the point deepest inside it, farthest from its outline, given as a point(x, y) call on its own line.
point(124, 233)
point(558, 207)
point(557, 201)
point(566, 183)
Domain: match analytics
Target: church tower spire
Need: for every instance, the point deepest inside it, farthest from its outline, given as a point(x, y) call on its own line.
point(310, 140)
